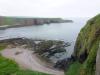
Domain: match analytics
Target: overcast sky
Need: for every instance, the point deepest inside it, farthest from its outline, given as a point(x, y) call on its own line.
point(50, 8)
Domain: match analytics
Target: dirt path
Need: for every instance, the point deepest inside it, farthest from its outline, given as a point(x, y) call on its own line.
point(27, 60)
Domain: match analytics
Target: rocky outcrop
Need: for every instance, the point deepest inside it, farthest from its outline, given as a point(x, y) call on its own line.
point(19, 21)
point(48, 48)
point(43, 48)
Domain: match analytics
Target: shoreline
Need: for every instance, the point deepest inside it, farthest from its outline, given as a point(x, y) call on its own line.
point(27, 60)
point(3, 27)
point(13, 26)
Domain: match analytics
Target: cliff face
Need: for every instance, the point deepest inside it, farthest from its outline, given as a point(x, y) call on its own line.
point(29, 21)
point(87, 45)
point(88, 37)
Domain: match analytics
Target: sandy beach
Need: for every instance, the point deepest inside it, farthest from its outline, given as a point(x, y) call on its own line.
point(27, 60)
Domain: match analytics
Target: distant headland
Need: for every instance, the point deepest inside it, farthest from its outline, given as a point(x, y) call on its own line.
point(5, 20)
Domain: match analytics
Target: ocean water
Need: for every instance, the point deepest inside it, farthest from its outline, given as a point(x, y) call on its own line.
point(58, 31)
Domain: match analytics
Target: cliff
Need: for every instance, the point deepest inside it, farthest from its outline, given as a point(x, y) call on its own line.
point(86, 48)
point(29, 21)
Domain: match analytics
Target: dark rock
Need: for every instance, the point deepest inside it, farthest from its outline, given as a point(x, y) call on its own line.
point(83, 56)
point(63, 64)
point(50, 47)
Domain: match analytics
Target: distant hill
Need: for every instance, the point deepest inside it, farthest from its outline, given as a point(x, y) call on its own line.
point(4, 20)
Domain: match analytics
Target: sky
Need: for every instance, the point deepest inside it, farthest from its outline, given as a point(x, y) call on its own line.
point(50, 8)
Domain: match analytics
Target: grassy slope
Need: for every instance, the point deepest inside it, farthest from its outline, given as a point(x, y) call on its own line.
point(74, 69)
point(9, 67)
point(88, 40)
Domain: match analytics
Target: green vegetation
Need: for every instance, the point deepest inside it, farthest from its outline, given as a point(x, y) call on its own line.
point(8, 21)
point(86, 48)
point(2, 46)
point(88, 67)
point(9, 67)
point(74, 69)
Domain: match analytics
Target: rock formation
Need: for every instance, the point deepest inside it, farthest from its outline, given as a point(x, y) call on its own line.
point(43, 48)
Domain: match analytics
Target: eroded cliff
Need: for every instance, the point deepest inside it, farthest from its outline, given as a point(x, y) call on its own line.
point(86, 48)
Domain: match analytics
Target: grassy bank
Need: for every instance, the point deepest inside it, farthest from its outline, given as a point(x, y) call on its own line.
point(10, 67)
point(74, 69)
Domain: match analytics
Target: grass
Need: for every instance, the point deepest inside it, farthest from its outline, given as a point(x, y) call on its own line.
point(88, 67)
point(9, 67)
point(74, 69)
point(88, 41)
